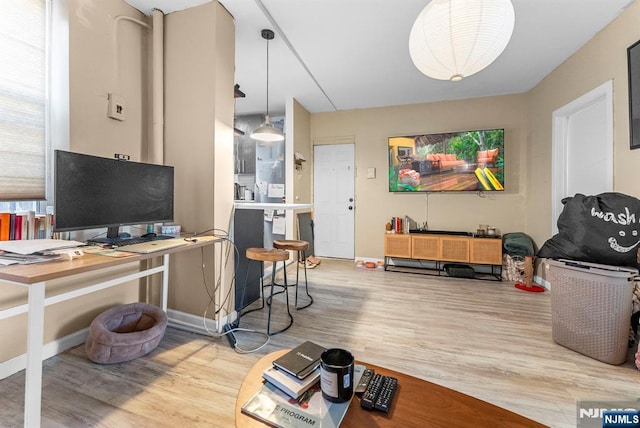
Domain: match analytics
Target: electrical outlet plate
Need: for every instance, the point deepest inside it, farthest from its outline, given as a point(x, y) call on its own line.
point(371, 173)
point(115, 107)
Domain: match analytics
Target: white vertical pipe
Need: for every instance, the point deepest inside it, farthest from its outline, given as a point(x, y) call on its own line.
point(156, 154)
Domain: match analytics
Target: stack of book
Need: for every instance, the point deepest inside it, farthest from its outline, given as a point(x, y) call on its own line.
point(296, 371)
point(291, 397)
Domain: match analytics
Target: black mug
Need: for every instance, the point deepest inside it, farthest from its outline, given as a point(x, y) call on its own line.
point(336, 375)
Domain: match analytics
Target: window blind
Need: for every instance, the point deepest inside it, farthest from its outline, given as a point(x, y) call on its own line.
point(23, 54)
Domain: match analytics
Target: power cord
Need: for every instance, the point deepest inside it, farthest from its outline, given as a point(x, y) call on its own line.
point(426, 211)
point(222, 308)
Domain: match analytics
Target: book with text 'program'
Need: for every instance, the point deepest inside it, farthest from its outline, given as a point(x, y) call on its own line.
point(275, 408)
point(301, 360)
point(293, 386)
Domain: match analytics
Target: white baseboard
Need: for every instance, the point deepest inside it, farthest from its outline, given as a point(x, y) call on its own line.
point(177, 319)
point(195, 323)
point(49, 350)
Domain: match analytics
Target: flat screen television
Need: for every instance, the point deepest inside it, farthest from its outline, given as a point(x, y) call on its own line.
point(94, 192)
point(447, 162)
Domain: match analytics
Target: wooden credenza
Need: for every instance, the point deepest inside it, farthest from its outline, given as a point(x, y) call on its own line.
point(445, 248)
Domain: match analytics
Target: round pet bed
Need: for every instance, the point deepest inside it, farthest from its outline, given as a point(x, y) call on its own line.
point(125, 332)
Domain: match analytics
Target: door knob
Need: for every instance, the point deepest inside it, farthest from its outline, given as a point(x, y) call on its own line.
point(350, 207)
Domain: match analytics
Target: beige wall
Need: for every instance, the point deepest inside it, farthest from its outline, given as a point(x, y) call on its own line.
point(300, 121)
point(299, 180)
point(603, 58)
point(375, 206)
point(199, 51)
point(98, 67)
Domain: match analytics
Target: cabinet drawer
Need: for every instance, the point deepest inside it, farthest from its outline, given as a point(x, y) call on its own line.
point(454, 249)
point(397, 245)
point(486, 251)
point(425, 247)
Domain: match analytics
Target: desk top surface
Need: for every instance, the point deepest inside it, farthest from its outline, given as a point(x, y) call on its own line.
point(38, 272)
point(417, 403)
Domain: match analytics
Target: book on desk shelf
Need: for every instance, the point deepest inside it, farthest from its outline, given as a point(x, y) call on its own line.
point(25, 225)
point(291, 385)
point(301, 360)
point(275, 408)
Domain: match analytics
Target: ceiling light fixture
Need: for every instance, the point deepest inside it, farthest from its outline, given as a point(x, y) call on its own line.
point(453, 39)
point(267, 132)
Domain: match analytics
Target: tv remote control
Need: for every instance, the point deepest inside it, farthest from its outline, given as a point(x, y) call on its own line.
point(364, 380)
point(379, 393)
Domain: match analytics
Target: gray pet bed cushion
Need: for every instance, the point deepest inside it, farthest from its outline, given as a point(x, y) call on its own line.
point(125, 332)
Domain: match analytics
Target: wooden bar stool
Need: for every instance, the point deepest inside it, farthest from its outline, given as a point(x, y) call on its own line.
point(301, 250)
point(275, 255)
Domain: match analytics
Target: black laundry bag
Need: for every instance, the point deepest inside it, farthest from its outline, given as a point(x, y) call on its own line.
point(600, 229)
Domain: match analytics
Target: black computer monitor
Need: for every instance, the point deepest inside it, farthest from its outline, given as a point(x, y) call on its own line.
point(94, 192)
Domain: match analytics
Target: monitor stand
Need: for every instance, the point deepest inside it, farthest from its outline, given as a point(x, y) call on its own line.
point(113, 234)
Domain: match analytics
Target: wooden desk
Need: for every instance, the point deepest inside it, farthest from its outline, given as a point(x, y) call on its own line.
point(417, 403)
point(35, 277)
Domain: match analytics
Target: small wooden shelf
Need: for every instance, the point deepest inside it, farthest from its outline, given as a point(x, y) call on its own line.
point(440, 249)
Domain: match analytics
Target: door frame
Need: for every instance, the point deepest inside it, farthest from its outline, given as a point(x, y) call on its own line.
point(560, 140)
point(340, 142)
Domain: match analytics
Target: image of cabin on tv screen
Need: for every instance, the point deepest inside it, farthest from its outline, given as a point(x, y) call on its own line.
point(447, 162)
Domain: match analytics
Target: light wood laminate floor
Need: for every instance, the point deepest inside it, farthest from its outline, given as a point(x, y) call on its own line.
point(485, 339)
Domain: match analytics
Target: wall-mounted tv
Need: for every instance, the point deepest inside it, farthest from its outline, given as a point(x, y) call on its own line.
point(447, 162)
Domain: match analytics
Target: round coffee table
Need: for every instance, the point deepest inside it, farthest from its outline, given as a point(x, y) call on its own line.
point(416, 403)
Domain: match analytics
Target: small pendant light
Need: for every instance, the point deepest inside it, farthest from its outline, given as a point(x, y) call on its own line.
point(267, 132)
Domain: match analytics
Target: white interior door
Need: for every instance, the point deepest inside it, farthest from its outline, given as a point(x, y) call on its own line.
point(334, 200)
point(582, 160)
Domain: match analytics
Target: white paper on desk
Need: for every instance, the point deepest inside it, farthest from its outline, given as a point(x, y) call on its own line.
point(30, 246)
point(279, 226)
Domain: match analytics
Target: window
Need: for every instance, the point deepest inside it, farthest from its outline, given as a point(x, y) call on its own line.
point(34, 50)
point(23, 44)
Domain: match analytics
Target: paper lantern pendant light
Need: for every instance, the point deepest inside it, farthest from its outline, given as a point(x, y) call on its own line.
point(453, 39)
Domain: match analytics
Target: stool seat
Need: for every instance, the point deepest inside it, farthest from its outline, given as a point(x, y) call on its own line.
point(270, 255)
point(265, 255)
point(290, 244)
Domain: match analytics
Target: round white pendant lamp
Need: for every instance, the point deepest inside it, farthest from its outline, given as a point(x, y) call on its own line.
point(267, 132)
point(453, 39)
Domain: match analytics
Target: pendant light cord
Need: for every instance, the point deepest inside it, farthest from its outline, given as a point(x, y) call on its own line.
point(267, 77)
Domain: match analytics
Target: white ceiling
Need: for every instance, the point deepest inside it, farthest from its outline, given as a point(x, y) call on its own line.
point(350, 54)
